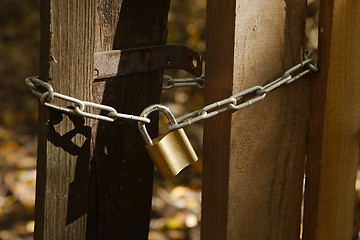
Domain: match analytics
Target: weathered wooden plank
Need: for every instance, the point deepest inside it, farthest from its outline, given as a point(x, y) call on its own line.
point(67, 46)
point(335, 121)
point(123, 169)
point(254, 158)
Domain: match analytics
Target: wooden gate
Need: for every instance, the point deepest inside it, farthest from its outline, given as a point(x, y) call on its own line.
point(94, 179)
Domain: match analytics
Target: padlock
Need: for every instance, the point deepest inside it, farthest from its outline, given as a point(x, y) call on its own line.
point(170, 153)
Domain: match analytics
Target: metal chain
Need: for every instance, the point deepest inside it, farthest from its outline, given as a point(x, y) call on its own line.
point(235, 102)
point(247, 97)
point(183, 82)
point(46, 93)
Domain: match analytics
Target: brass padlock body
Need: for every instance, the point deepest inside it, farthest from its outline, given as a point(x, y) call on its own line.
point(172, 153)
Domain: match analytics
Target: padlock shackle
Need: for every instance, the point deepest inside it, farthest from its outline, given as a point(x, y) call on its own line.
point(152, 108)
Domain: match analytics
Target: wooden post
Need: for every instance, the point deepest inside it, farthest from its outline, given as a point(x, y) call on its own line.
point(254, 158)
point(123, 169)
point(335, 122)
point(95, 179)
point(67, 50)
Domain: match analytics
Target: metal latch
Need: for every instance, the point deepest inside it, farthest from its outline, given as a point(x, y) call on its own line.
point(147, 59)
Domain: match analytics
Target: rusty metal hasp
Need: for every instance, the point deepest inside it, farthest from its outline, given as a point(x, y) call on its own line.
point(147, 59)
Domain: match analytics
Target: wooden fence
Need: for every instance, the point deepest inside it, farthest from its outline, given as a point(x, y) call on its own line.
point(94, 179)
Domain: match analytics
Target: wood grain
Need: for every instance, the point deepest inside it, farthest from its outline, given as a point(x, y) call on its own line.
point(67, 47)
point(123, 169)
point(95, 179)
point(254, 158)
point(335, 122)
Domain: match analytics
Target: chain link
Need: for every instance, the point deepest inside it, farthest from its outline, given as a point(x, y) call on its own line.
point(183, 82)
point(248, 96)
point(46, 93)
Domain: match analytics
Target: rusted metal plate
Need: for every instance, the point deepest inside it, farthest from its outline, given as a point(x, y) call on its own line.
point(122, 62)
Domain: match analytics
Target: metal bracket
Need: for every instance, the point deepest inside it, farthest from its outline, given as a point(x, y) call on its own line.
point(147, 59)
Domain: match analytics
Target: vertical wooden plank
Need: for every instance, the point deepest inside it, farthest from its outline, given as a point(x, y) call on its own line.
point(335, 121)
point(254, 158)
point(123, 169)
point(64, 143)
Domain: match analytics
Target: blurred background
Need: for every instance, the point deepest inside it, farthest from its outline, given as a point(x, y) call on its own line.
point(176, 203)
point(19, 47)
